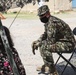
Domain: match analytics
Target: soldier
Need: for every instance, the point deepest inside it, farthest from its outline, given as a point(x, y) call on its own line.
point(57, 37)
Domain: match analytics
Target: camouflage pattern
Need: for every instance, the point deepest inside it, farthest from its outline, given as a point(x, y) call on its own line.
point(57, 37)
point(42, 10)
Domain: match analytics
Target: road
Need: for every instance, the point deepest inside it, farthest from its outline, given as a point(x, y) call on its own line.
point(24, 32)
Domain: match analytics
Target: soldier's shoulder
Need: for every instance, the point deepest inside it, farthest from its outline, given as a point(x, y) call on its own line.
point(55, 19)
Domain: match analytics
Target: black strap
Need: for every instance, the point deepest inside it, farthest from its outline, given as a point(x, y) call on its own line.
point(8, 50)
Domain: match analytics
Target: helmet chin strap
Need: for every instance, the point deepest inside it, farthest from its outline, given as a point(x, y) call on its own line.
point(46, 14)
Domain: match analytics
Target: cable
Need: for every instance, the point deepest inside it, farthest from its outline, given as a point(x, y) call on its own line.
point(15, 18)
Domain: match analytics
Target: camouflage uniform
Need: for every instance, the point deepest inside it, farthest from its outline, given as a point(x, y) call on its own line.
point(57, 37)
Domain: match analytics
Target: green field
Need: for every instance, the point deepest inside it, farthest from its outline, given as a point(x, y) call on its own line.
point(28, 15)
point(21, 15)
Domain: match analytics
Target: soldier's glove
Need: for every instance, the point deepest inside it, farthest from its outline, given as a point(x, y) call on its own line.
point(35, 45)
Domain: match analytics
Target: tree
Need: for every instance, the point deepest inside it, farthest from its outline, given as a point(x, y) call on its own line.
point(7, 4)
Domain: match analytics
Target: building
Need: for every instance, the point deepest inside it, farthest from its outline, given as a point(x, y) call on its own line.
point(74, 3)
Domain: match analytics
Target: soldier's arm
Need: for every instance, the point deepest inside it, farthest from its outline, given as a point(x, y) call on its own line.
point(42, 37)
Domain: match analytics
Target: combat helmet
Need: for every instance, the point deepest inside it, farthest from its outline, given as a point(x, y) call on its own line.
point(42, 10)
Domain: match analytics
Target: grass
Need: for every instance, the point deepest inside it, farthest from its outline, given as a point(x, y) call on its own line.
point(21, 15)
point(28, 15)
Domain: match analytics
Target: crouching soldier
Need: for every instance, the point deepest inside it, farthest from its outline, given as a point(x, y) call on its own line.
point(58, 37)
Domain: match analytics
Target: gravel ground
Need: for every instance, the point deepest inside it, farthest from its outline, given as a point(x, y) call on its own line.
point(24, 32)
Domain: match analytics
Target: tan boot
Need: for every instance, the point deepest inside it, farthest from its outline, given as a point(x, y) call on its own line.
point(55, 73)
point(53, 70)
point(38, 69)
point(43, 68)
point(46, 69)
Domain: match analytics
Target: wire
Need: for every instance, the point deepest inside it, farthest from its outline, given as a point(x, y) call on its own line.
point(15, 18)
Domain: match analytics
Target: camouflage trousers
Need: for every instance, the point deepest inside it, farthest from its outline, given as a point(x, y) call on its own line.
point(46, 50)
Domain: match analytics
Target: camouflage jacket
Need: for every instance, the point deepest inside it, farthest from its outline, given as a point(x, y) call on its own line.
point(57, 30)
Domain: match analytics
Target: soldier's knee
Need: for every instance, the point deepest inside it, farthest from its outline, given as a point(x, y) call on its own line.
point(49, 59)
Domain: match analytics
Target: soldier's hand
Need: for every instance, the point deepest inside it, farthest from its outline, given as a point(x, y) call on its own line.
point(34, 47)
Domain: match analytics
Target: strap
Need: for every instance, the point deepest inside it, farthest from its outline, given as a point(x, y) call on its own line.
point(8, 50)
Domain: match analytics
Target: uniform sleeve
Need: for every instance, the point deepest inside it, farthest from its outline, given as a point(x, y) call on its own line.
point(42, 37)
point(51, 32)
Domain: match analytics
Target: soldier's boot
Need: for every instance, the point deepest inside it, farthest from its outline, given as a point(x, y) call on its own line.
point(53, 70)
point(42, 68)
point(46, 69)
